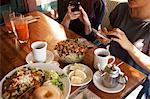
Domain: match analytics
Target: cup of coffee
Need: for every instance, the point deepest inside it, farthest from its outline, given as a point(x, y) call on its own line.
point(39, 51)
point(101, 58)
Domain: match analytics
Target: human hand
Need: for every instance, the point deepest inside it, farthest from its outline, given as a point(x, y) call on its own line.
point(101, 36)
point(119, 36)
point(72, 15)
point(85, 20)
point(84, 17)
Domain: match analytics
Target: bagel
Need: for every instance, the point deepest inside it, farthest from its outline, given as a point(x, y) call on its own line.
point(47, 92)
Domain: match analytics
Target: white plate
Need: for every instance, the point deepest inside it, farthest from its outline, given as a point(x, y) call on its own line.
point(44, 66)
point(88, 72)
point(49, 57)
point(97, 80)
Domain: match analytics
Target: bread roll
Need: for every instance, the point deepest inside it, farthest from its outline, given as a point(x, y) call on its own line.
point(47, 92)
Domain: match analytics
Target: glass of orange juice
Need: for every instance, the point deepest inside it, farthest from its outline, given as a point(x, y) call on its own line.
point(7, 15)
point(21, 27)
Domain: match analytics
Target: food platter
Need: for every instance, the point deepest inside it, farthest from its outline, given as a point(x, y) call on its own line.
point(46, 67)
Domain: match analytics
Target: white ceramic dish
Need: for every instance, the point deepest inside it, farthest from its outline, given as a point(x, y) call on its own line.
point(97, 80)
point(88, 72)
point(49, 56)
point(44, 66)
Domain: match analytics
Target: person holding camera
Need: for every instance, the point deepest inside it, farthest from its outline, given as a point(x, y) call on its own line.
point(81, 15)
point(81, 21)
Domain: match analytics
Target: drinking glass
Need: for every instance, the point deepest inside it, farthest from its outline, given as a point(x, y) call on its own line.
point(12, 17)
point(21, 27)
point(7, 15)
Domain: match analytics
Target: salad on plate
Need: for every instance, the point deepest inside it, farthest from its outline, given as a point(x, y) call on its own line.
point(33, 83)
point(71, 50)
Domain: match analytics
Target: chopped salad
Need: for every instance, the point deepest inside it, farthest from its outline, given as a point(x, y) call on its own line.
point(73, 49)
point(27, 79)
point(69, 46)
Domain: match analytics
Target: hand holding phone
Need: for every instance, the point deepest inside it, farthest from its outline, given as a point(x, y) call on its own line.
point(102, 37)
point(105, 34)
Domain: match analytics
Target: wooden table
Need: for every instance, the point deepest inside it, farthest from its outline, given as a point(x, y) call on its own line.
point(12, 54)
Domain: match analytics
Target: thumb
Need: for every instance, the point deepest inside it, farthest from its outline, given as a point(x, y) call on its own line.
point(116, 40)
point(82, 10)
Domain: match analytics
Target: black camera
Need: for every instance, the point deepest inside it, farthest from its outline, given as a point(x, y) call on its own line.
point(75, 4)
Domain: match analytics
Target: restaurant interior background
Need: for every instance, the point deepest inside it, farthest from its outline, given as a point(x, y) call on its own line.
point(52, 8)
point(25, 6)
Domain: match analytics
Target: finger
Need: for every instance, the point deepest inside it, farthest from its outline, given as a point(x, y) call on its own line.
point(76, 13)
point(70, 7)
point(75, 17)
point(118, 30)
point(114, 34)
point(102, 35)
point(82, 10)
point(115, 29)
point(99, 31)
point(80, 7)
point(116, 40)
point(105, 29)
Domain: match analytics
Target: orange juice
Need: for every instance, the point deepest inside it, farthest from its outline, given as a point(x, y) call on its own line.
point(22, 30)
point(9, 26)
point(7, 16)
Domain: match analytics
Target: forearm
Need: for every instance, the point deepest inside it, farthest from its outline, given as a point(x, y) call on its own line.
point(66, 21)
point(87, 29)
point(140, 58)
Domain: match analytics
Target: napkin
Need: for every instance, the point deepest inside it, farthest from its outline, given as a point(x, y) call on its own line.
point(84, 94)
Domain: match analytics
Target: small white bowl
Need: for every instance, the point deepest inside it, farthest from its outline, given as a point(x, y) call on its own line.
point(87, 70)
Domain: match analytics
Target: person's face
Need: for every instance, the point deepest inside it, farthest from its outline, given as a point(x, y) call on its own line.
point(138, 3)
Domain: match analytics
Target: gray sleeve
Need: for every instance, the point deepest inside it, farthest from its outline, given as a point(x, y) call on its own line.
point(117, 15)
point(112, 17)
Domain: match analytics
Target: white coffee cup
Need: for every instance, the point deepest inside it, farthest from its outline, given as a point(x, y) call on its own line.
point(101, 57)
point(39, 51)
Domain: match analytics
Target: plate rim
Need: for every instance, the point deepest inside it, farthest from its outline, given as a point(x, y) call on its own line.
point(31, 65)
point(82, 84)
point(94, 81)
point(30, 54)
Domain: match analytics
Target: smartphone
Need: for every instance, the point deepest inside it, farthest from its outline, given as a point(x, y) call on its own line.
point(111, 36)
point(75, 4)
point(99, 34)
point(103, 35)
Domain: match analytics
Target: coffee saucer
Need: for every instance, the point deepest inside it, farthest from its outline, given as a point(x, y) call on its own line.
point(49, 57)
point(97, 80)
